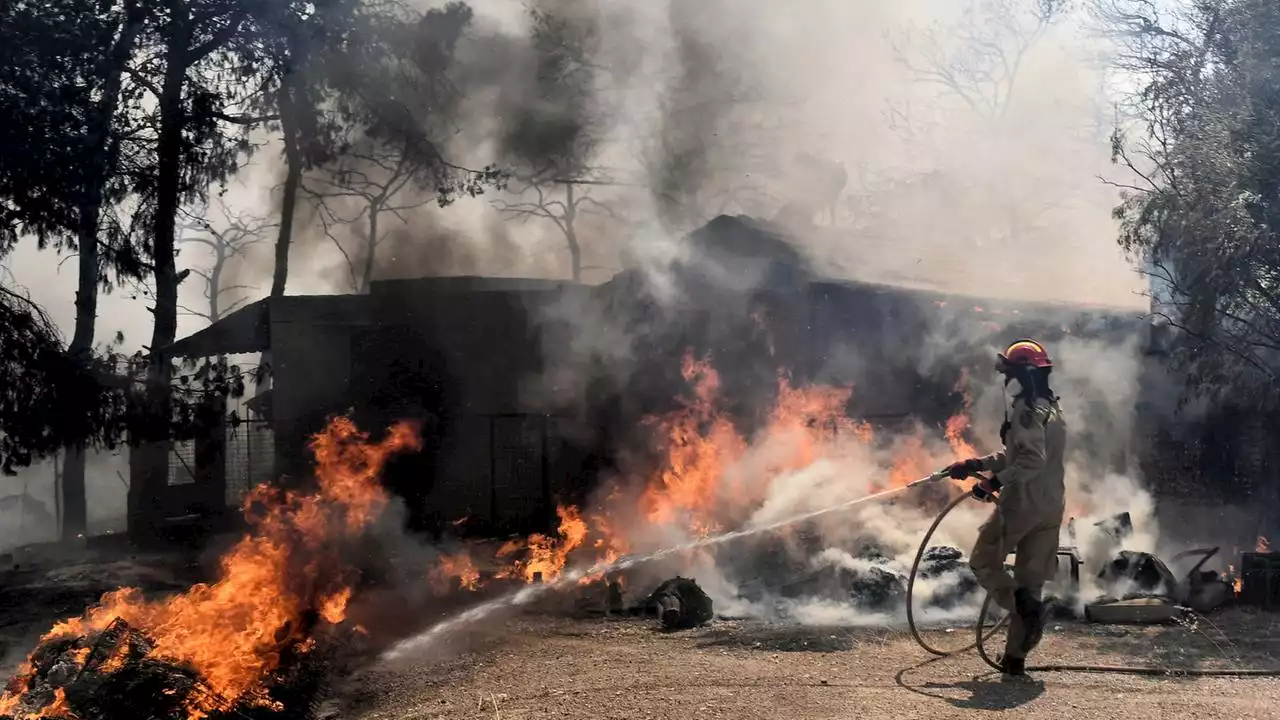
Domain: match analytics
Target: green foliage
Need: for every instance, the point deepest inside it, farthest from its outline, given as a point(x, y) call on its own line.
point(1205, 211)
point(50, 398)
point(555, 131)
point(49, 51)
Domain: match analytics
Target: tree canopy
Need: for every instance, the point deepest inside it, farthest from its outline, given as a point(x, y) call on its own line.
point(1204, 211)
point(121, 114)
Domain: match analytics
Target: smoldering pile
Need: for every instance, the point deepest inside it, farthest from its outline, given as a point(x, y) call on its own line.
point(782, 574)
point(797, 576)
point(116, 675)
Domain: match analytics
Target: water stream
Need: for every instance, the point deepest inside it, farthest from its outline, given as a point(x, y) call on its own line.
point(529, 593)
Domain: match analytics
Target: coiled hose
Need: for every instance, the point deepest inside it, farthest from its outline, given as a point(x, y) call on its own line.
point(982, 634)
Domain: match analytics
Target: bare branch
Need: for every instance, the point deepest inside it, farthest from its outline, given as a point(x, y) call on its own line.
point(244, 119)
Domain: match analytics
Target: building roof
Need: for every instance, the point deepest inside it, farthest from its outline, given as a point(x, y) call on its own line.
point(247, 330)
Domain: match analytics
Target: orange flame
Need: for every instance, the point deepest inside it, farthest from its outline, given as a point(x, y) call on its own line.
point(702, 484)
point(610, 543)
point(911, 461)
point(457, 567)
point(957, 424)
point(545, 557)
point(701, 445)
point(58, 708)
point(334, 608)
point(232, 631)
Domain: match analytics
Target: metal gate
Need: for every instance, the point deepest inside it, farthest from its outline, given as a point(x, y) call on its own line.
point(250, 458)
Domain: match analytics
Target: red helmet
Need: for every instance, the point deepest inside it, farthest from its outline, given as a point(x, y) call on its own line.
point(1024, 352)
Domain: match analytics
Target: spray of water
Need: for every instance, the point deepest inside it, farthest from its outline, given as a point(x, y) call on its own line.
point(529, 593)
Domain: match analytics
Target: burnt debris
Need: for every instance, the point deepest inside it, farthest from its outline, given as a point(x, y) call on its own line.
point(874, 582)
point(116, 677)
point(1139, 574)
point(953, 583)
point(681, 604)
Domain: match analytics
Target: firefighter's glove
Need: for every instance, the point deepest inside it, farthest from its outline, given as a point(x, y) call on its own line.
point(985, 490)
point(964, 468)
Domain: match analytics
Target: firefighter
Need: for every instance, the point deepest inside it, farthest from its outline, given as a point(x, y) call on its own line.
point(1028, 474)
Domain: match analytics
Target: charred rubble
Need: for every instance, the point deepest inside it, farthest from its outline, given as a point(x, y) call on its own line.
point(771, 574)
point(681, 604)
point(875, 582)
point(117, 676)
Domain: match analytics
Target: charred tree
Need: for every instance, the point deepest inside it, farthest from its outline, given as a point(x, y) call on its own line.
point(230, 238)
point(564, 214)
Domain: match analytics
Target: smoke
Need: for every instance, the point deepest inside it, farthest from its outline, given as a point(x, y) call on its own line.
point(686, 111)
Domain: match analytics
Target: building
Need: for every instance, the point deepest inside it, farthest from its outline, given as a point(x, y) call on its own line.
point(526, 388)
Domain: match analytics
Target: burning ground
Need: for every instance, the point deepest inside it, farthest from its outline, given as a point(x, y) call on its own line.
point(228, 646)
point(700, 474)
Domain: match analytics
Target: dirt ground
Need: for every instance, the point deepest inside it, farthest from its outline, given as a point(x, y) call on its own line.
point(536, 666)
point(549, 665)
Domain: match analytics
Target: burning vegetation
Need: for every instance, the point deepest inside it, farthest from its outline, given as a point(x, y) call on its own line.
point(222, 648)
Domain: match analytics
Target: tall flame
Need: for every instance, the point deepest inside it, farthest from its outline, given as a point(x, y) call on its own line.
point(711, 478)
point(959, 423)
point(702, 445)
point(231, 632)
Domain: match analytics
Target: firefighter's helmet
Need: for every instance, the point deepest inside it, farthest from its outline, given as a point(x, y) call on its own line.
point(1025, 352)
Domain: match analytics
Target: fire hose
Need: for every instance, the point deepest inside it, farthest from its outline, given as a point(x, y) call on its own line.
point(982, 634)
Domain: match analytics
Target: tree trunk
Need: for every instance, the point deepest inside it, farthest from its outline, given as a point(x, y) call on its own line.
point(285, 100)
point(148, 486)
point(100, 149)
point(169, 182)
point(215, 280)
point(292, 181)
point(571, 233)
point(371, 249)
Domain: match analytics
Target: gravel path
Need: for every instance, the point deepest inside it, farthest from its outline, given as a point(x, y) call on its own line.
point(552, 667)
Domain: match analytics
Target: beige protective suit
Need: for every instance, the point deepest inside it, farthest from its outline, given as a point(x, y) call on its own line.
point(1029, 515)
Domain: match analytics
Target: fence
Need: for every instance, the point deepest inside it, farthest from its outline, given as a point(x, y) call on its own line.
point(182, 463)
point(248, 456)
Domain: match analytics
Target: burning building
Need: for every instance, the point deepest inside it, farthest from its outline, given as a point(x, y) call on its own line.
point(527, 390)
point(734, 389)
